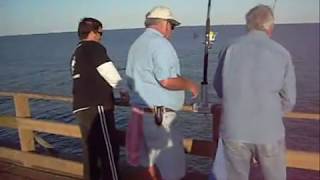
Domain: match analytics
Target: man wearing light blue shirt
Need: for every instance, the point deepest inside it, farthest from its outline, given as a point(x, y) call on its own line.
point(256, 81)
point(157, 61)
point(157, 91)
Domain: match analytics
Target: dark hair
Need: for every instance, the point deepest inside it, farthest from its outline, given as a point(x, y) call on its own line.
point(86, 25)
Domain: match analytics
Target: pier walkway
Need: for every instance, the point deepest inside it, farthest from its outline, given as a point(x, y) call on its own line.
point(14, 171)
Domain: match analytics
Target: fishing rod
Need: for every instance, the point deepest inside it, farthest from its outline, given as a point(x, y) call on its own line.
point(209, 38)
point(206, 48)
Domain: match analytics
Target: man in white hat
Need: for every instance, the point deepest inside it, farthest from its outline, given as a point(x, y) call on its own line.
point(157, 90)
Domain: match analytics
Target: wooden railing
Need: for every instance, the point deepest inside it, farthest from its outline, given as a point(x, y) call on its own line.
point(27, 126)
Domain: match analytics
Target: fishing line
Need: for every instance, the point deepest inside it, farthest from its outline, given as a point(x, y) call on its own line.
point(274, 5)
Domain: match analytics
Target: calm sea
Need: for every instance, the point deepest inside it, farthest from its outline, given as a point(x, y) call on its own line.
point(40, 64)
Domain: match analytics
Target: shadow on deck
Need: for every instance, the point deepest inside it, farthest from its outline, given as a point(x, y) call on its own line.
point(14, 171)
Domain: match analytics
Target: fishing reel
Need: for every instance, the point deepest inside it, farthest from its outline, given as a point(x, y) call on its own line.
point(210, 39)
point(212, 36)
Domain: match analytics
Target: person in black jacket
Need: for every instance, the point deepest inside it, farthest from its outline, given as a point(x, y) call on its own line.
point(94, 77)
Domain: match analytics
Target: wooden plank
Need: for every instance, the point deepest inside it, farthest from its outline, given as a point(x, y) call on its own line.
point(196, 147)
point(7, 94)
point(118, 102)
point(302, 116)
point(47, 97)
point(26, 137)
point(11, 170)
point(21, 104)
point(186, 108)
point(303, 160)
point(41, 161)
point(50, 127)
point(37, 96)
point(199, 147)
point(22, 108)
point(71, 130)
point(8, 122)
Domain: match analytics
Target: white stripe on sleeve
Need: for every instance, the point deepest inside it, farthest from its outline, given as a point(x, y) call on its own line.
point(109, 73)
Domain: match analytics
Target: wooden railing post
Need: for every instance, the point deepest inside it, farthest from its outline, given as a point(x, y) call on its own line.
point(22, 109)
point(216, 116)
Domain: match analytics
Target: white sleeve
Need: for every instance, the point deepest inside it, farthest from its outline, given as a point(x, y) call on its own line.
point(109, 73)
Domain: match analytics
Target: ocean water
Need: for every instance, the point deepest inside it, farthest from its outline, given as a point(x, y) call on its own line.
point(40, 64)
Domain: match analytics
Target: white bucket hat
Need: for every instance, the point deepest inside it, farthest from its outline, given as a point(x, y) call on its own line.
point(162, 12)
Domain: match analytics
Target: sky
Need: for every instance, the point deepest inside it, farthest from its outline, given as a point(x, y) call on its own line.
point(48, 16)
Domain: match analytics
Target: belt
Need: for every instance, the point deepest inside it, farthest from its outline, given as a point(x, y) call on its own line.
point(151, 110)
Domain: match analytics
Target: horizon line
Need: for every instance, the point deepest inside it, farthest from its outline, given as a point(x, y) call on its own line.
point(115, 29)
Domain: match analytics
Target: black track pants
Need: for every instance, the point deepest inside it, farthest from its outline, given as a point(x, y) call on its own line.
point(100, 144)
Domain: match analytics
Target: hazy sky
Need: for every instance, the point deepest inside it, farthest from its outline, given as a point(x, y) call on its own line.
point(44, 16)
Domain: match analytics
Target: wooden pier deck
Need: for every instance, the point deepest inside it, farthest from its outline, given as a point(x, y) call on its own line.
point(14, 171)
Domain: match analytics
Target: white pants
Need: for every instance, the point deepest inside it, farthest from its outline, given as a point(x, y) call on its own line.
point(219, 170)
point(163, 147)
point(271, 159)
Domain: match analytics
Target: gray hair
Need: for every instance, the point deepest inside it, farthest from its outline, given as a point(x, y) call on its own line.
point(260, 18)
point(152, 21)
